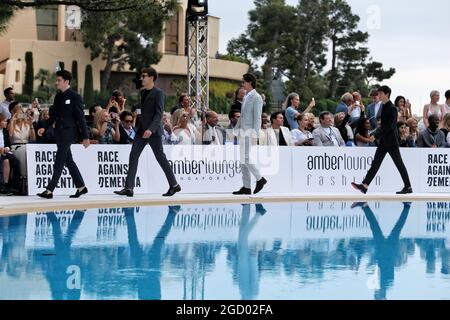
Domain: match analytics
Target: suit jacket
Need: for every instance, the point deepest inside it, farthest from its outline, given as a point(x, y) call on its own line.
point(152, 109)
point(67, 115)
point(372, 116)
point(388, 133)
point(322, 138)
point(425, 140)
point(208, 135)
point(251, 111)
point(268, 137)
point(124, 137)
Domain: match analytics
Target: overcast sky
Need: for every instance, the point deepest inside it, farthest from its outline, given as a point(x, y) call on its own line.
point(411, 36)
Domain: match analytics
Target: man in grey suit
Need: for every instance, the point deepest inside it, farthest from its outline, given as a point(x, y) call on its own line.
point(149, 131)
point(247, 130)
point(374, 109)
point(327, 135)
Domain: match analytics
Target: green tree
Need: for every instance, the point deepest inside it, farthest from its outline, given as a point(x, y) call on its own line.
point(74, 75)
point(29, 74)
point(126, 37)
point(6, 13)
point(43, 76)
point(88, 86)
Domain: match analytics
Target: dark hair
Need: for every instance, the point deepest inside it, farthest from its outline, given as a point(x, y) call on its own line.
point(12, 105)
point(92, 108)
point(151, 72)
point(374, 93)
point(401, 124)
point(232, 113)
point(361, 127)
point(325, 113)
point(300, 117)
point(7, 90)
point(117, 93)
point(180, 99)
point(432, 118)
point(250, 77)
point(274, 116)
point(125, 114)
point(447, 94)
point(66, 75)
point(113, 109)
point(385, 90)
point(397, 100)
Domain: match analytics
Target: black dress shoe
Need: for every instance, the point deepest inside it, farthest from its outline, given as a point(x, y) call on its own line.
point(260, 209)
point(260, 185)
point(45, 195)
point(172, 191)
point(79, 193)
point(405, 191)
point(125, 192)
point(243, 191)
point(359, 187)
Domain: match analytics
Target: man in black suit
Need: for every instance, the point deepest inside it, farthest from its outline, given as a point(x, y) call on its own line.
point(389, 143)
point(149, 131)
point(67, 115)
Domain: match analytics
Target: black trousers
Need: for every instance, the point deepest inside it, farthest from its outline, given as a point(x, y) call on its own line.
point(155, 142)
point(64, 158)
point(394, 152)
point(14, 165)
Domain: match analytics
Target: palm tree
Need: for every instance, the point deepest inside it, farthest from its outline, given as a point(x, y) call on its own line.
point(43, 76)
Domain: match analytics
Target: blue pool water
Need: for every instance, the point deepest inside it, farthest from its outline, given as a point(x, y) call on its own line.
point(294, 251)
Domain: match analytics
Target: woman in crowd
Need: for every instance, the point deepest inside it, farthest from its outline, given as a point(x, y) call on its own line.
point(292, 110)
point(311, 121)
point(341, 122)
point(446, 124)
point(404, 108)
point(21, 132)
point(181, 130)
point(406, 140)
point(433, 108)
point(413, 126)
point(106, 130)
point(48, 136)
point(362, 137)
point(302, 137)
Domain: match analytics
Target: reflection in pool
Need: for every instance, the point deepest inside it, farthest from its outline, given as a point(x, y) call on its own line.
point(325, 250)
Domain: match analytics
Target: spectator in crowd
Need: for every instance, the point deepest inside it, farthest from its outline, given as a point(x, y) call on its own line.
point(233, 116)
point(311, 122)
point(413, 126)
point(341, 122)
point(9, 164)
point(184, 102)
point(116, 102)
point(406, 140)
point(362, 136)
point(4, 106)
point(36, 107)
point(355, 109)
point(277, 134)
point(168, 137)
point(265, 121)
point(404, 108)
point(432, 137)
point(327, 135)
point(263, 96)
point(433, 108)
point(238, 99)
point(346, 102)
point(181, 130)
point(374, 109)
point(90, 118)
point(446, 125)
point(301, 137)
point(126, 129)
point(106, 129)
point(30, 113)
point(292, 110)
point(48, 136)
point(447, 101)
point(213, 133)
point(21, 132)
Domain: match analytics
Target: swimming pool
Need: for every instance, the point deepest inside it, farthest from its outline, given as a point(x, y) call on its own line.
point(293, 251)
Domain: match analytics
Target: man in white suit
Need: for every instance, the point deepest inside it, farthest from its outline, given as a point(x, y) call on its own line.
point(276, 135)
point(247, 131)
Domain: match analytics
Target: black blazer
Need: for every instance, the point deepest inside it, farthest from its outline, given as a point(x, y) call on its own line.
point(6, 139)
point(68, 116)
point(388, 133)
point(152, 109)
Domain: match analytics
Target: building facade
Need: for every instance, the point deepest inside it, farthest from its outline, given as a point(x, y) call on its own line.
point(43, 32)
